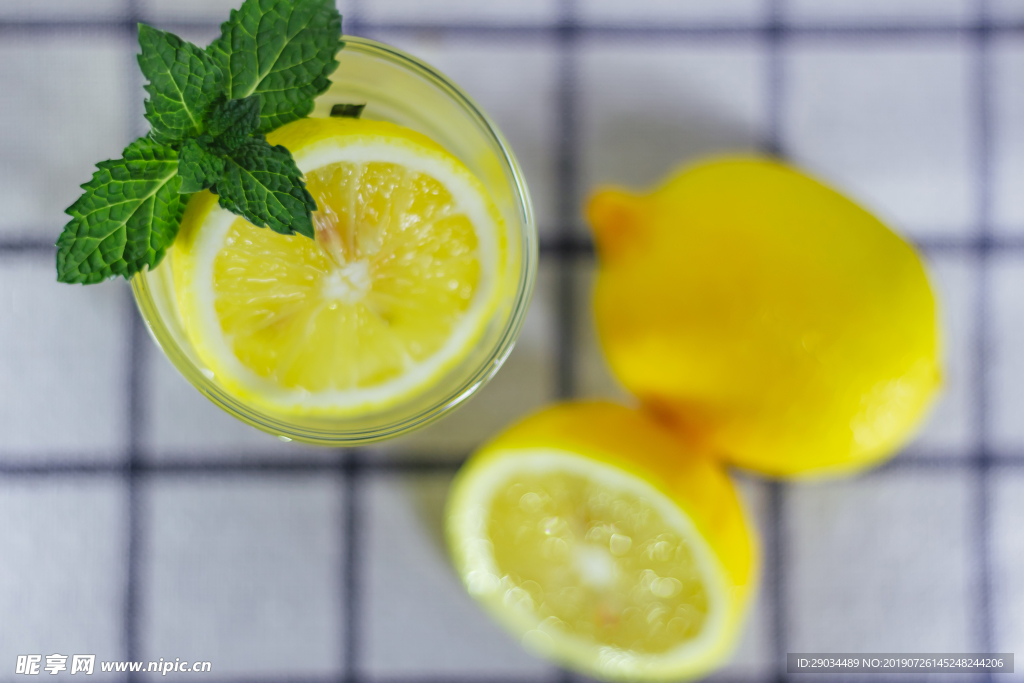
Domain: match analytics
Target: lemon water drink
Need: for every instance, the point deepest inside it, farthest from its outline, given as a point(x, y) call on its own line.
point(407, 301)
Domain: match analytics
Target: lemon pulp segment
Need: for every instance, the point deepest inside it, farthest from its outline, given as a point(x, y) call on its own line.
point(395, 288)
point(596, 562)
point(393, 269)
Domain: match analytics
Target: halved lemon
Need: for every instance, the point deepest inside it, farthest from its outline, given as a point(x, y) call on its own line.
point(591, 534)
point(396, 289)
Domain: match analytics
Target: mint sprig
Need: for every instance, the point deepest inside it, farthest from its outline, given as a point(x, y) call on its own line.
point(235, 120)
point(262, 184)
point(282, 50)
point(198, 167)
point(128, 216)
point(209, 111)
point(184, 83)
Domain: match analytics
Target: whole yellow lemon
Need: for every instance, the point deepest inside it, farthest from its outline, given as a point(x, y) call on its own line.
point(770, 320)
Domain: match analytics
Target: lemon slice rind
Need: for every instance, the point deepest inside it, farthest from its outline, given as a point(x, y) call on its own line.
point(468, 195)
point(467, 523)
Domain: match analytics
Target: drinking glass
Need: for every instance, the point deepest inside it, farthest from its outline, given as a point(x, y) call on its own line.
point(399, 88)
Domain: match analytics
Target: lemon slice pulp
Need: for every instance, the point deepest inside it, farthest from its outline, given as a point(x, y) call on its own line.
point(589, 560)
point(597, 560)
point(396, 288)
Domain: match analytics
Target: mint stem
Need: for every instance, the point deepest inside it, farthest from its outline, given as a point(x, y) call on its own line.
point(348, 111)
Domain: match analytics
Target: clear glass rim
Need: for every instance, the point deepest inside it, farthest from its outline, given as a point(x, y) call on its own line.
point(280, 426)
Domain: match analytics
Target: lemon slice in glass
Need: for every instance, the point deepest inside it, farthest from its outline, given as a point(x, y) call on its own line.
point(395, 290)
point(595, 538)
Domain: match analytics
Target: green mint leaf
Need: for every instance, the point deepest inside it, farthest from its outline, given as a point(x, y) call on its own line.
point(233, 121)
point(184, 82)
point(199, 168)
point(262, 184)
point(281, 50)
point(348, 111)
point(128, 216)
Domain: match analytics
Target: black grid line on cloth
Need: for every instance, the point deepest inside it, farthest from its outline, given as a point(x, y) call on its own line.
point(135, 527)
point(566, 113)
point(982, 515)
point(871, 29)
point(774, 579)
point(566, 182)
point(775, 525)
point(136, 393)
point(352, 588)
point(243, 464)
point(563, 244)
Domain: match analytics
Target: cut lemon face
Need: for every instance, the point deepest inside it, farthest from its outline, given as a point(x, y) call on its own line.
point(591, 535)
point(395, 290)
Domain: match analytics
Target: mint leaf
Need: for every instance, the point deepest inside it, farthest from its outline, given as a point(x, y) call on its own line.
point(282, 50)
point(128, 216)
point(262, 184)
point(348, 111)
point(233, 121)
point(209, 110)
point(184, 82)
point(198, 168)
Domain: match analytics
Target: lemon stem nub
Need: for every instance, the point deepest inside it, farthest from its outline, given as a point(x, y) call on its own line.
point(616, 218)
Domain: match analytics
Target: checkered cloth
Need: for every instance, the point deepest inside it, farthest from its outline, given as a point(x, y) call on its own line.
point(137, 521)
